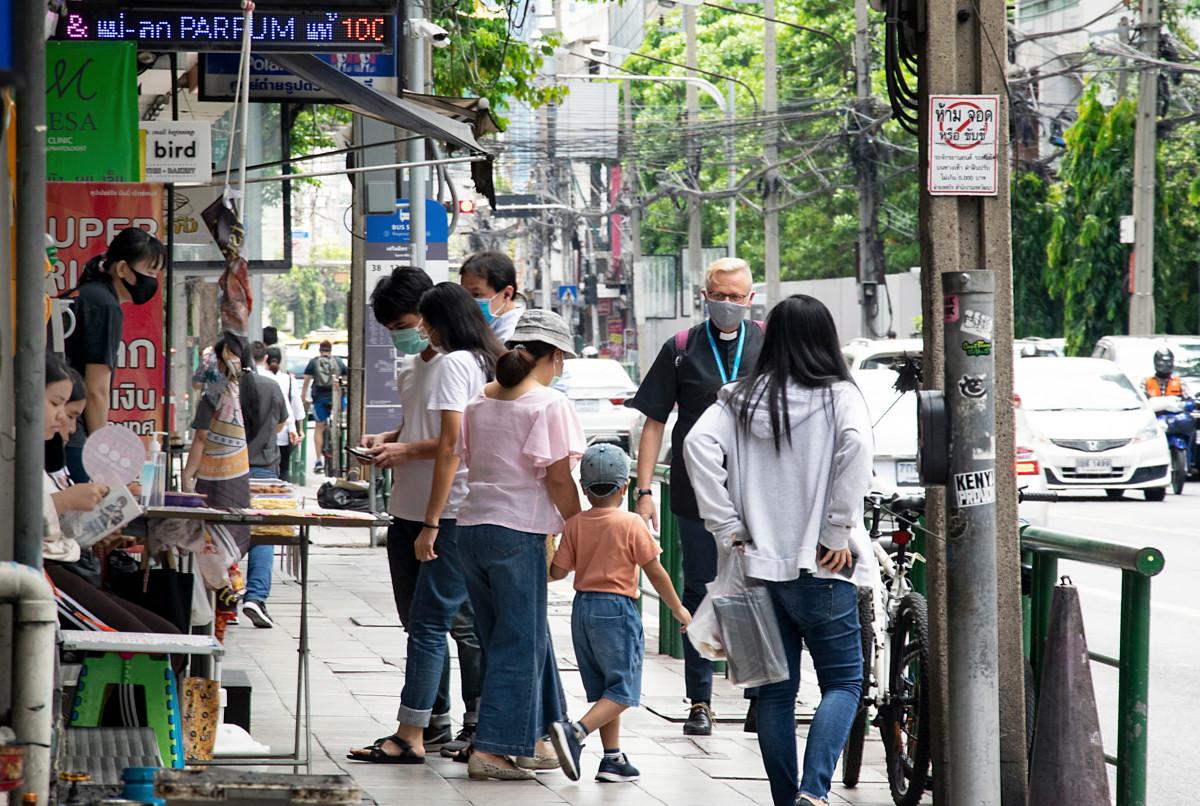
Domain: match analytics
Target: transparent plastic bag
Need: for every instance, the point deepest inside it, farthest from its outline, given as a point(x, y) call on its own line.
point(737, 624)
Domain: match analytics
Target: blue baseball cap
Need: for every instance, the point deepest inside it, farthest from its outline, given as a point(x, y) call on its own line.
point(604, 469)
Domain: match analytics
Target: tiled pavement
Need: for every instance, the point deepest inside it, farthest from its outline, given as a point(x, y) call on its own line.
point(358, 671)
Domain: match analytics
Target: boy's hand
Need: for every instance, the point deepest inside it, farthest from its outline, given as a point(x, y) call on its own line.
point(683, 617)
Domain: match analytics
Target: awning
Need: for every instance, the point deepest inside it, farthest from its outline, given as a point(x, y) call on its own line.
point(400, 112)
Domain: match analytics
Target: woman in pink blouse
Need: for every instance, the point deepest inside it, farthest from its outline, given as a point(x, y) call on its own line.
point(520, 440)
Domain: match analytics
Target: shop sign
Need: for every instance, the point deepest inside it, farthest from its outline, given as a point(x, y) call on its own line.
point(91, 112)
point(270, 82)
point(82, 218)
point(178, 151)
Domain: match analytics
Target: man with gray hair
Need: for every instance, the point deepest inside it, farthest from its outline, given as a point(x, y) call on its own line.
point(691, 367)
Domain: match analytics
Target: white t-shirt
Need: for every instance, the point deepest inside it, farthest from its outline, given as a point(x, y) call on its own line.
point(427, 388)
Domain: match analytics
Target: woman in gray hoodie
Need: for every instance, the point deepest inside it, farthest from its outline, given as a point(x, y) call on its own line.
point(780, 464)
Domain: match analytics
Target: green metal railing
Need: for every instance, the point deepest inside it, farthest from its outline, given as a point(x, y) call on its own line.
point(1044, 548)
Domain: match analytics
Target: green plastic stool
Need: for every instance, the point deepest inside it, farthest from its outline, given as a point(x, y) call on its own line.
point(151, 672)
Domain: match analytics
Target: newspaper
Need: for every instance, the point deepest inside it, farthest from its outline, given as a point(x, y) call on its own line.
point(115, 510)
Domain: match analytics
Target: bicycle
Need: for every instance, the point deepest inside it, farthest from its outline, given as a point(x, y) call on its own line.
point(896, 687)
point(895, 659)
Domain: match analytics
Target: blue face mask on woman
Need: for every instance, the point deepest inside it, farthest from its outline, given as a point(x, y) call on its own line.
point(409, 341)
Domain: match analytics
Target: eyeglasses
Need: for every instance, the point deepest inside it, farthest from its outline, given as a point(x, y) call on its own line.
point(717, 296)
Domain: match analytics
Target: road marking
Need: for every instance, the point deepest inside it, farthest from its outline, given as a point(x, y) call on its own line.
point(1140, 527)
point(1165, 607)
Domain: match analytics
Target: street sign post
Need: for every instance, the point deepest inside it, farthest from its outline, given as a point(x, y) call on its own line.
point(963, 142)
point(568, 295)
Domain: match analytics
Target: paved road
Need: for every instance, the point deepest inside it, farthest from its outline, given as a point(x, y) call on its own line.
point(1172, 526)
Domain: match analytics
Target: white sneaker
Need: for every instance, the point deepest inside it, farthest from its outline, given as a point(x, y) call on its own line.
point(257, 613)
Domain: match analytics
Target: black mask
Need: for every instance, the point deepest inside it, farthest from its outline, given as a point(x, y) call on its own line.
point(142, 289)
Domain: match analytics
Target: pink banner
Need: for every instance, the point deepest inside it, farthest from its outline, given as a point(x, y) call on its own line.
point(82, 217)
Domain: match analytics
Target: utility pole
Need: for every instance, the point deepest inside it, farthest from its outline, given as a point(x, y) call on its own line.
point(695, 268)
point(731, 171)
point(864, 156)
point(771, 155)
point(962, 51)
point(1145, 146)
point(414, 81)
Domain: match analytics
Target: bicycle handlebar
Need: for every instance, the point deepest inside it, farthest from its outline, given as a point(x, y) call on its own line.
point(1047, 497)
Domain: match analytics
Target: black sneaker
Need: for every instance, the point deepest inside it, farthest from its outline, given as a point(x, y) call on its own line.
point(258, 615)
point(461, 742)
point(699, 721)
point(617, 771)
point(568, 747)
point(437, 736)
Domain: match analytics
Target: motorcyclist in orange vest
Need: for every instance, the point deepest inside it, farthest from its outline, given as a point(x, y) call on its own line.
point(1164, 381)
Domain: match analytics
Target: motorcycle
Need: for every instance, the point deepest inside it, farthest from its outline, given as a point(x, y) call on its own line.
point(1179, 425)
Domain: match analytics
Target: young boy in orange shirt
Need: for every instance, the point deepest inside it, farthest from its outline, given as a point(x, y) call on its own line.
point(606, 546)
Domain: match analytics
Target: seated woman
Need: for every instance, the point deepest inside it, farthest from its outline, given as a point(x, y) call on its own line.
point(83, 604)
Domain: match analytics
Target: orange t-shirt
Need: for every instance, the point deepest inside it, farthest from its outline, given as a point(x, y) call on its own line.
point(606, 548)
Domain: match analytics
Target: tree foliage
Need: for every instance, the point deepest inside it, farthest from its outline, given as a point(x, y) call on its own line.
point(1087, 265)
point(1034, 313)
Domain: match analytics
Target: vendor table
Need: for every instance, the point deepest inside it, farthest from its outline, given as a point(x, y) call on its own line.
point(304, 520)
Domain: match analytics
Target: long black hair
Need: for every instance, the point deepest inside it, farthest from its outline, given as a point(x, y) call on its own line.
point(801, 347)
point(248, 391)
point(449, 309)
point(133, 245)
point(55, 451)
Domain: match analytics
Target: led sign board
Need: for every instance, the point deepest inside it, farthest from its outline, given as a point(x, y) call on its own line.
point(344, 30)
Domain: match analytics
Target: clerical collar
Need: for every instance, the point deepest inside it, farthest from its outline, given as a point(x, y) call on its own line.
point(723, 336)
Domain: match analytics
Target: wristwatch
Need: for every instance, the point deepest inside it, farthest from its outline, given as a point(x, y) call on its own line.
point(644, 491)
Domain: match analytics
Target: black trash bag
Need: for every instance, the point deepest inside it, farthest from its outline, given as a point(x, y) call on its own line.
point(164, 591)
point(333, 495)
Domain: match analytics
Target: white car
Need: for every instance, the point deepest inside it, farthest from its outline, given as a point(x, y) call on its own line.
point(894, 423)
point(1089, 427)
point(880, 353)
point(599, 388)
point(1135, 355)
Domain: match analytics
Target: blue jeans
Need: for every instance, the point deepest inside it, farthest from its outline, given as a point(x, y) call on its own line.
point(259, 558)
point(505, 572)
point(823, 614)
point(437, 601)
point(606, 629)
point(699, 550)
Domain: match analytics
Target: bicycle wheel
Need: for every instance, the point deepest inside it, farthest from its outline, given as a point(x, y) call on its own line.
point(853, 751)
point(905, 719)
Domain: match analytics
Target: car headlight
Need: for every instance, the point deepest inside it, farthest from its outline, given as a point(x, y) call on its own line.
point(1151, 431)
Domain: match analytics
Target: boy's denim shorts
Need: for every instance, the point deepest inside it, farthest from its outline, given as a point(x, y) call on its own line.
point(609, 646)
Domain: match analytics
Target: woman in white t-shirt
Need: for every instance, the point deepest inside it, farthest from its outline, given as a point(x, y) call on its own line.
point(452, 354)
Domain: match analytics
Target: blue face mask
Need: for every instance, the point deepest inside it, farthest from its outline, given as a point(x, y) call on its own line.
point(485, 305)
point(409, 341)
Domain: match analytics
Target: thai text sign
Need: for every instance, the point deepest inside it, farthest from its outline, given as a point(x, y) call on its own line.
point(91, 112)
point(82, 218)
point(964, 137)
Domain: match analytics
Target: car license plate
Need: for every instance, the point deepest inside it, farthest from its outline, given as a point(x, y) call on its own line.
point(906, 473)
point(587, 406)
point(1093, 465)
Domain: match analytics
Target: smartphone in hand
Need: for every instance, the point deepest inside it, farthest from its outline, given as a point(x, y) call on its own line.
point(847, 570)
point(363, 455)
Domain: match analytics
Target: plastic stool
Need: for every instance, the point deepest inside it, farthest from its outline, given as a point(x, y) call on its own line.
point(151, 672)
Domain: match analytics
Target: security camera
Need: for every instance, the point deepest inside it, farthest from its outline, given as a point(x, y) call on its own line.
point(438, 36)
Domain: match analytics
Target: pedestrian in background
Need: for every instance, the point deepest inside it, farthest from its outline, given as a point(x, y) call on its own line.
point(293, 435)
point(607, 546)
point(689, 370)
point(449, 354)
point(520, 441)
point(491, 278)
point(780, 465)
point(321, 373)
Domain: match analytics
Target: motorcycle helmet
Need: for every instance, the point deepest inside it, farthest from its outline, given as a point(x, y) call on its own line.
point(1164, 362)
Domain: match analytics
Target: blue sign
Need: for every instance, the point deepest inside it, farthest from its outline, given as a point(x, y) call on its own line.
point(6, 37)
point(270, 82)
point(568, 294)
point(394, 229)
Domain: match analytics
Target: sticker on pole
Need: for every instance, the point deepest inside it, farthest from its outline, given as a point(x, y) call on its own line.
point(975, 489)
point(964, 145)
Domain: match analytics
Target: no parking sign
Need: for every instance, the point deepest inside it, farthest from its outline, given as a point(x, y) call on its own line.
point(963, 145)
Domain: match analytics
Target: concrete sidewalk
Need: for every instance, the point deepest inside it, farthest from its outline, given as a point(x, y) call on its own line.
point(357, 667)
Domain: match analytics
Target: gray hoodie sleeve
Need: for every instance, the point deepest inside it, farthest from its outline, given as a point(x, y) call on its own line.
point(853, 461)
point(704, 451)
